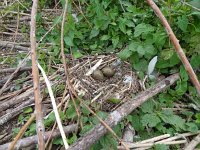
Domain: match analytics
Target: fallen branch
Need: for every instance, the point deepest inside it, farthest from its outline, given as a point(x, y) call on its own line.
point(14, 112)
point(177, 46)
point(11, 45)
point(193, 143)
point(116, 116)
point(36, 85)
point(162, 139)
point(14, 74)
point(11, 70)
point(25, 142)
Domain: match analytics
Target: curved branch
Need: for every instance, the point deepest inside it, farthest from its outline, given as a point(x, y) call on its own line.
point(176, 44)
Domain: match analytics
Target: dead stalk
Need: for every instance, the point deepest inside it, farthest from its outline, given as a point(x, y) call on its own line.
point(38, 105)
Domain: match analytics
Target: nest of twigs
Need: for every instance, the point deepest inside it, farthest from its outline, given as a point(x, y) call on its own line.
point(112, 91)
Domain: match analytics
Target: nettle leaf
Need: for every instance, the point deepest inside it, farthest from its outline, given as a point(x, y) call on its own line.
point(161, 147)
point(68, 41)
point(150, 119)
point(130, 23)
point(181, 87)
point(122, 24)
point(105, 37)
point(108, 142)
point(124, 54)
point(172, 119)
point(174, 60)
point(183, 74)
point(192, 127)
point(183, 23)
point(141, 50)
point(159, 38)
point(195, 61)
point(141, 65)
point(143, 28)
point(133, 46)
point(148, 106)
point(86, 128)
point(166, 54)
point(77, 54)
point(71, 112)
point(115, 41)
point(28, 110)
point(58, 141)
point(135, 122)
point(94, 33)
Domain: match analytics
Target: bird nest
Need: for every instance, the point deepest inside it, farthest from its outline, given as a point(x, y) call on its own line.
point(110, 92)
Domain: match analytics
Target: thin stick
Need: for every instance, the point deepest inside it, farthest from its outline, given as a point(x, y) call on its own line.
point(21, 133)
point(176, 44)
point(58, 120)
point(64, 58)
point(38, 106)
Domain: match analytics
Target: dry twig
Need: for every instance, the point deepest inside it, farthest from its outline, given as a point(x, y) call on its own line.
point(21, 133)
point(38, 105)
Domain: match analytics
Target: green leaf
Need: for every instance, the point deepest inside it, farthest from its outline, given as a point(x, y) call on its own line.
point(143, 28)
point(170, 118)
point(150, 119)
point(133, 46)
point(71, 112)
point(174, 60)
point(108, 142)
point(195, 61)
point(94, 33)
point(122, 24)
point(105, 37)
point(77, 54)
point(28, 110)
point(181, 87)
point(148, 106)
point(183, 74)
point(86, 128)
point(50, 120)
point(58, 141)
point(68, 41)
point(114, 100)
point(141, 50)
point(192, 127)
point(167, 54)
point(85, 111)
point(115, 41)
point(141, 65)
point(72, 139)
point(135, 122)
point(125, 54)
point(183, 23)
point(161, 147)
point(130, 23)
